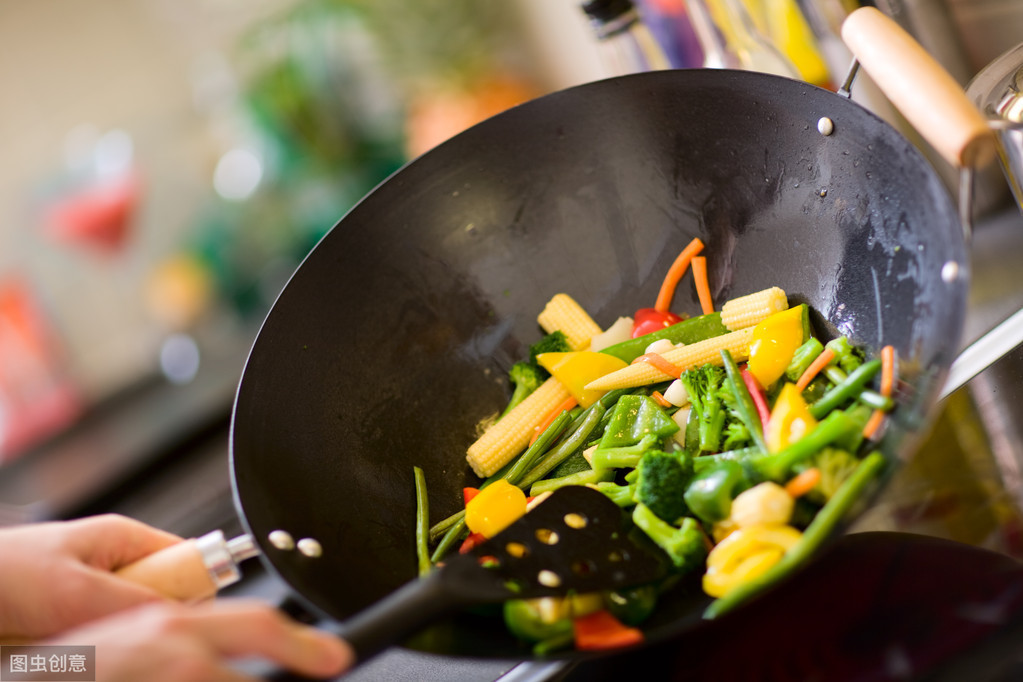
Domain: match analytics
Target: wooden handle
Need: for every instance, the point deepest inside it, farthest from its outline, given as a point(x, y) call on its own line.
point(930, 99)
point(178, 572)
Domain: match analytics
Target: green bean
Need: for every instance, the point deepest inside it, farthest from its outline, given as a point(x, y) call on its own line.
point(539, 446)
point(813, 537)
point(560, 452)
point(422, 522)
point(847, 390)
point(803, 357)
point(455, 533)
point(441, 527)
point(867, 396)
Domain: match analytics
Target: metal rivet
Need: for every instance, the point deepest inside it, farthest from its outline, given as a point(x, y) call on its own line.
point(950, 271)
point(823, 192)
point(825, 126)
point(281, 539)
point(310, 547)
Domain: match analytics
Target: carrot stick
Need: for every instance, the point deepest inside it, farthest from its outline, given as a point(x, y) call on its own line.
point(887, 384)
point(803, 482)
point(873, 424)
point(660, 363)
point(702, 284)
point(819, 363)
point(568, 404)
point(887, 370)
point(661, 400)
point(675, 272)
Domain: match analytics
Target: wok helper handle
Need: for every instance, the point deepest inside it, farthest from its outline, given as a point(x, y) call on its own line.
point(919, 87)
point(192, 570)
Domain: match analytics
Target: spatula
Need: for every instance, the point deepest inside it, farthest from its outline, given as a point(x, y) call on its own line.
point(575, 541)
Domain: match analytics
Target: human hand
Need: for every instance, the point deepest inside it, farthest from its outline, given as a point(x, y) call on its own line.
point(58, 575)
point(172, 642)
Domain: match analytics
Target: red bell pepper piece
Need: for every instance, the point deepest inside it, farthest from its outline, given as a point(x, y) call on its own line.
point(756, 392)
point(471, 542)
point(601, 630)
point(647, 320)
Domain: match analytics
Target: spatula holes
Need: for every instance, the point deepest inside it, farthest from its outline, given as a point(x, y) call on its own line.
point(516, 550)
point(576, 521)
point(617, 556)
point(547, 536)
point(548, 578)
point(584, 567)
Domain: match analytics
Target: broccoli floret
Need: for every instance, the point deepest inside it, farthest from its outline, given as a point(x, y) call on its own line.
point(703, 385)
point(835, 466)
point(848, 356)
point(662, 482)
point(527, 375)
point(685, 546)
point(555, 342)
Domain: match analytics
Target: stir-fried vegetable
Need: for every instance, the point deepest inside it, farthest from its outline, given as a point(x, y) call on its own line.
point(709, 466)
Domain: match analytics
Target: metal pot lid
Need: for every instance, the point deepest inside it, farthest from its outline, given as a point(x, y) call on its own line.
point(998, 89)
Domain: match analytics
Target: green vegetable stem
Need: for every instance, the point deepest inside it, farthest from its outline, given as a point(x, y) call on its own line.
point(847, 390)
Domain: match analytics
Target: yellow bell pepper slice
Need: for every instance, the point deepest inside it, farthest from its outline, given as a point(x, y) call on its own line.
point(745, 554)
point(496, 507)
point(576, 369)
point(790, 419)
point(774, 342)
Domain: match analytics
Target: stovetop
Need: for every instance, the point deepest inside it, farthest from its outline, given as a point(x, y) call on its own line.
point(925, 586)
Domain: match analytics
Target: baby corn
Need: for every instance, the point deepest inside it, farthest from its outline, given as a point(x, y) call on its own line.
point(510, 435)
point(563, 314)
point(752, 309)
point(685, 357)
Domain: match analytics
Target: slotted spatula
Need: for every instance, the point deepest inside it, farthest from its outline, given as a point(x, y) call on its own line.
point(574, 541)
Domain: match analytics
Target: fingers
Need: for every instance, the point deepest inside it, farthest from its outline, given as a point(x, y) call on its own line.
point(104, 593)
point(110, 541)
point(237, 628)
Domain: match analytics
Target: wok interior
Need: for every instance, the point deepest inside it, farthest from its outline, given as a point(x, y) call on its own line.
point(393, 338)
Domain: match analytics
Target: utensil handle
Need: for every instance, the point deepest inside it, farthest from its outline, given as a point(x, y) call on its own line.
point(397, 616)
point(919, 87)
point(191, 570)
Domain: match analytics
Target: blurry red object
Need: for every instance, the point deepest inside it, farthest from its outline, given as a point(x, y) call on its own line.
point(97, 215)
point(36, 398)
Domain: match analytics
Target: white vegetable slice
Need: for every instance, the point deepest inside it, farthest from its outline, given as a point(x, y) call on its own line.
point(676, 393)
point(620, 331)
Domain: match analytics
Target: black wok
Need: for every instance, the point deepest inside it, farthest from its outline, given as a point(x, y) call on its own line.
point(393, 338)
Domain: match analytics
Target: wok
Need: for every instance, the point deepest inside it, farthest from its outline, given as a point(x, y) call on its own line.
point(393, 338)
